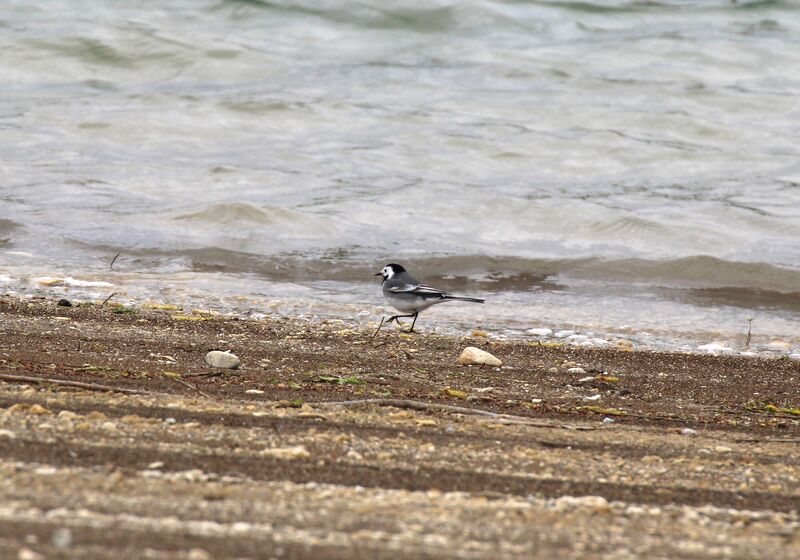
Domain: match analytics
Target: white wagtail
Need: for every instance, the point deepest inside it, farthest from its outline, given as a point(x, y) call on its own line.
point(406, 294)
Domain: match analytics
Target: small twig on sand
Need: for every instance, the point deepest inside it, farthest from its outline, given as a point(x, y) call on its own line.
point(425, 406)
point(111, 266)
point(203, 374)
point(105, 301)
point(194, 387)
point(67, 383)
point(766, 440)
point(377, 330)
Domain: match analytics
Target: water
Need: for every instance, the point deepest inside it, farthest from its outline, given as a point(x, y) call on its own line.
point(612, 167)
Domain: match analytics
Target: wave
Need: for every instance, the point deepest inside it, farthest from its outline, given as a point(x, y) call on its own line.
point(427, 17)
point(358, 264)
point(6, 226)
point(247, 218)
point(436, 17)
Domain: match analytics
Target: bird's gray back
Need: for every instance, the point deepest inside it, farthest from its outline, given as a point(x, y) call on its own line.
point(405, 278)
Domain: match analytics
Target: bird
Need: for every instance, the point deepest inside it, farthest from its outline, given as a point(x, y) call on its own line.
point(409, 296)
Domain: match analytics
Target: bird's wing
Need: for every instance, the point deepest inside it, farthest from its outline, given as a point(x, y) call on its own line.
point(419, 289)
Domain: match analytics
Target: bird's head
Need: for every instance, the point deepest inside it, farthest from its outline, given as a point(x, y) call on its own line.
point(390, 270)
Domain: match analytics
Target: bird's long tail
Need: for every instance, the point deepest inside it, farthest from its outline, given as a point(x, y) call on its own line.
point(462, 298)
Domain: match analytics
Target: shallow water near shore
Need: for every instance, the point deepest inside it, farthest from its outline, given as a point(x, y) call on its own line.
point(621, 169)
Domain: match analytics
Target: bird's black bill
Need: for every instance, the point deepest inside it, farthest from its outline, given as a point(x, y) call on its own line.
point(378, 274)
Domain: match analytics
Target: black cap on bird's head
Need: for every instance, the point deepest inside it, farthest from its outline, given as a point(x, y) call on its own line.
point(390, 270)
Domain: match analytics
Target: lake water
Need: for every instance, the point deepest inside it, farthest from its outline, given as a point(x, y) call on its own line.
point(622, 168)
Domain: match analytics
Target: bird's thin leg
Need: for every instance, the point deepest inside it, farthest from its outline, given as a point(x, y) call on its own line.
point(376, 332)
point(414, 322)
point(394, 318)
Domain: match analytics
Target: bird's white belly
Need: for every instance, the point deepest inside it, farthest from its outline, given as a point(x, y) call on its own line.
point(411, 304)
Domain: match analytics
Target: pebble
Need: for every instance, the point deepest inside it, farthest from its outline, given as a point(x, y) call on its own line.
point(254, 392)
point(38, 410)
point(64, 303)
point(795, 356)
point(562, 334)
point(198, 554)
point(688, 432)
point(593, 398)
point(7, 434)
point(576, 370)
point(28, 554)
point(722, 449)
point(62, 538)
point(608, 420)
point(355, 455)
point(540, 332)
point(634, 510)
point(67, 415)
point(294, 452)
point(219, 359)
point(475, 356)
point(593, 502)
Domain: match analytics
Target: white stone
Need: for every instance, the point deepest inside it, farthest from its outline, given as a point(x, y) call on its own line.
point(540, 332)
point(198, 554)
point(794, 356)
point(688, 432)
point(592, 502)
point(593, 398)
point(475, 356)
point(562, 334)
point(294, 452)
point(67, 415)
point(62, 538)
point(219, 359)
point(28, 554)
point(254, 392)
point(576, 370)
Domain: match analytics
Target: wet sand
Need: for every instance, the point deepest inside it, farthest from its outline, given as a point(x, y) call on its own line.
point(640, 454)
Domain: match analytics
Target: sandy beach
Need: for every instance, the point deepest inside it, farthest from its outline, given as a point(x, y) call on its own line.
point(561, 451)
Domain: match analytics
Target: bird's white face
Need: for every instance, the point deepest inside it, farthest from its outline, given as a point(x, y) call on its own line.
point(387, 272)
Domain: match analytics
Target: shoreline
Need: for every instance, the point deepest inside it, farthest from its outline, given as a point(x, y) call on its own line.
point(648, 440)
point(189, 295)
